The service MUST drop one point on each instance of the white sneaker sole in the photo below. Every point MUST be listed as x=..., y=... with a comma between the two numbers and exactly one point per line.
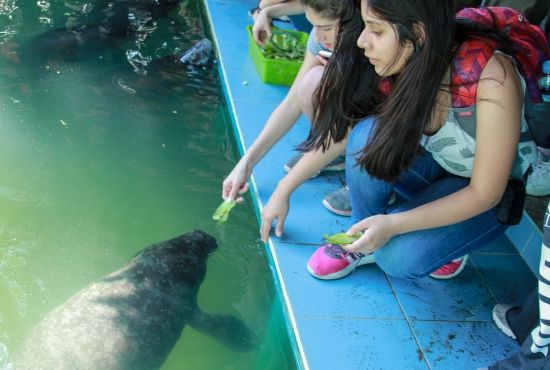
x=450, y=276
x=336, y=211
x=499, y=317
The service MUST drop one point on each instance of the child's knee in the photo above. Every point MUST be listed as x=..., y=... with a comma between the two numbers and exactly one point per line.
x=399, y=265
x=307, y=86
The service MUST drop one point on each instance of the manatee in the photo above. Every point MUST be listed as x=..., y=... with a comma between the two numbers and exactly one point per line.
x=112, y=21
x=175, y=72
x=132, y=318
x=199, y=55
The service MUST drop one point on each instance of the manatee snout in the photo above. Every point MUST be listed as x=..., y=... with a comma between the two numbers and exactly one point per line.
x=201, y=237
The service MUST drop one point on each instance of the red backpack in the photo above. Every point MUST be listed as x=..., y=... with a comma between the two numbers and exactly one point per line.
x=529, y=48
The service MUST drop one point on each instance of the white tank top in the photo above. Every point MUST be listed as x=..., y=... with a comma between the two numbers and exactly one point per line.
x=454, y=149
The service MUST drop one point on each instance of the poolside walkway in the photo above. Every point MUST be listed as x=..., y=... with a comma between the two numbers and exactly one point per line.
x=367, y=320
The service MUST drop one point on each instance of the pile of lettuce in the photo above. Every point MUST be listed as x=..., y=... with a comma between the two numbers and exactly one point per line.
x=285, y=46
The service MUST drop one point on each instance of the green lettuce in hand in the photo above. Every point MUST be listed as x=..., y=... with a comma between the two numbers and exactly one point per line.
x=342, y=238
x=223, y=210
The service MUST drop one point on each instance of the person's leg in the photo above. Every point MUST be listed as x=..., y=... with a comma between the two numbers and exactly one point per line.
x=307, y=86
x=305, y=90
x=522, y=320
x=416, y=254
x=524, y=359
x=534, y=353
x=369, y=195
x=541, y=336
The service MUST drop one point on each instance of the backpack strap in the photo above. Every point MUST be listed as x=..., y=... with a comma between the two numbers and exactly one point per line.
x=466, y=67
x=471, y=57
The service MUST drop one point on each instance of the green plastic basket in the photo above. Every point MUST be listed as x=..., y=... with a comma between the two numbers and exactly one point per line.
x=275, y=71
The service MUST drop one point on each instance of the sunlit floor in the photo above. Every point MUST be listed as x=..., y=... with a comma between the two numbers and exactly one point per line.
x=367, y=320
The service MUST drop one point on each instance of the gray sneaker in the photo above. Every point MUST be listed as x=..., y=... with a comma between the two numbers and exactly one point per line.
x=338, y=202
x=538, y=181
x=338, y=164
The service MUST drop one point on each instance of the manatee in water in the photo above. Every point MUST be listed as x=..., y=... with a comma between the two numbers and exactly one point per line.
x=132, y=318
x=171, y=72
x=69, y=44
x=199, y=55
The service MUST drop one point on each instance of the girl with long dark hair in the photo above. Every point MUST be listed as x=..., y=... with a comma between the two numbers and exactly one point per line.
x=410, y=143
x=327, y=17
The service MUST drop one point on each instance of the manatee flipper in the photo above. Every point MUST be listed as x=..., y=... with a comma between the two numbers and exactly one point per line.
x=226, y=329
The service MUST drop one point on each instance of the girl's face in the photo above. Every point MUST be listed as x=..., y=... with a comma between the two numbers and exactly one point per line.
x=325, y=29
x=381, y=44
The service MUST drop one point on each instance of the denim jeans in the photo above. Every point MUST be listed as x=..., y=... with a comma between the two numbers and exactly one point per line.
x=418, y=253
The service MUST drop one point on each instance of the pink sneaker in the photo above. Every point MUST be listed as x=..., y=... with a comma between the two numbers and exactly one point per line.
x=450, y=269
x=333, y=262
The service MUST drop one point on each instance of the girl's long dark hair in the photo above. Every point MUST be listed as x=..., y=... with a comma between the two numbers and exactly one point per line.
x=349, y=89
x=409, y=109
x=341, y=97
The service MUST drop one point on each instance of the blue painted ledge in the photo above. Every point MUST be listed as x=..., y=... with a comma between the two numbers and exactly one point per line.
x=367, y=320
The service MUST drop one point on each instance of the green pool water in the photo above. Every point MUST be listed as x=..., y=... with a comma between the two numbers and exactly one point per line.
x=99, y=160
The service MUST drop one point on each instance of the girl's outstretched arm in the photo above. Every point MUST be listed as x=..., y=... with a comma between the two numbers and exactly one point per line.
x=277, y=206
x=281, y=120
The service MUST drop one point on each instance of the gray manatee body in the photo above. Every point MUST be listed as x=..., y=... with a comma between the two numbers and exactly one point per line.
x=187, y=71
x=132, y=318
x=200, y=55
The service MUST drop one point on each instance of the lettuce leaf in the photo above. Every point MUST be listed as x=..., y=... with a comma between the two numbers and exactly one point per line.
x=222, y=212
x=342, y=238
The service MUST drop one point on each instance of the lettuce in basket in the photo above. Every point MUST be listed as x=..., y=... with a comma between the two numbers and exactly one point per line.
x=284, y=45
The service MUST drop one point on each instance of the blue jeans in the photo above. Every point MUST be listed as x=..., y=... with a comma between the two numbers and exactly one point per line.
x=415, y=254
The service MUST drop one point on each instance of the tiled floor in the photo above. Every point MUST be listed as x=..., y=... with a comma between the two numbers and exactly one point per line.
x=367, y=320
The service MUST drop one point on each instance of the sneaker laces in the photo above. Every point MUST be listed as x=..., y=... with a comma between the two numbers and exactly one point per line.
x=336, y=251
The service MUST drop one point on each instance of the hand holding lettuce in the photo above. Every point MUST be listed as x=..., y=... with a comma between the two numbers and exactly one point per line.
x=342, y=238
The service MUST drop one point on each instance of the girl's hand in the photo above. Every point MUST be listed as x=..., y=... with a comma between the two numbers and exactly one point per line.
x=275, y=209
x=236, y=182
x=262, y=28
x=377, y=230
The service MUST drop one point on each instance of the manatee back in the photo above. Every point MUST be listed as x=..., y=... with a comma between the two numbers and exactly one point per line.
x=102, y=327
x=130, y=319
